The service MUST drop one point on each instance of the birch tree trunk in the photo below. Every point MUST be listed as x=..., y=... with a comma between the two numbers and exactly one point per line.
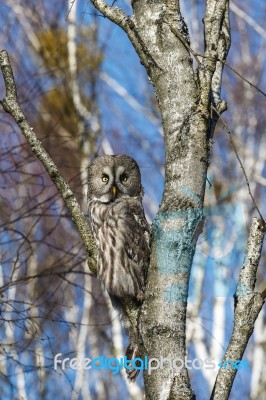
x=160, y=36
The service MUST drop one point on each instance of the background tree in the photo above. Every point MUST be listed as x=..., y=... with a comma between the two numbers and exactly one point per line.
x=47, y=315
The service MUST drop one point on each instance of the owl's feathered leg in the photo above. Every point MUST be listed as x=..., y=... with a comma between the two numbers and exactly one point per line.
x=132, y=352
x=131, y=312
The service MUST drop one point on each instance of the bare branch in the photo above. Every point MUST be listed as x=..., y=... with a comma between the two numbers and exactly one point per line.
x=128, y=25
x=248, y=304
x=10, y=105
x=217, y=43
x=234, y=71
x=222, y=51
x=213, y=24
x=220, y=60
x=114, y=14
x=247, y=277
x=240, y=163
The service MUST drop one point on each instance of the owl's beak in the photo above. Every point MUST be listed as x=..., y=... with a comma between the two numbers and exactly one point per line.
x=114, y=191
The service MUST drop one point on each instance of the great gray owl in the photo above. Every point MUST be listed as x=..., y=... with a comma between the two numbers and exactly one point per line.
x=119, y=225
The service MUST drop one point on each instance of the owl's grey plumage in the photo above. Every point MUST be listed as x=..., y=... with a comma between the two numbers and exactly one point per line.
x=119, y=225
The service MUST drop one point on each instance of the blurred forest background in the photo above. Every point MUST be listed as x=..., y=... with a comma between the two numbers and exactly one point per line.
x=85, y=93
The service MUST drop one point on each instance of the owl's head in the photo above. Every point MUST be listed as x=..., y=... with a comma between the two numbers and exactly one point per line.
x=112, y=177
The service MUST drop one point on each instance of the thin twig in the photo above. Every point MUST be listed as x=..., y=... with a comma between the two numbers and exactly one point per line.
x=235, y=72
x=183, y=41
x=210, y=185
x=240, y=163
x=11, y=105
x=197, y=55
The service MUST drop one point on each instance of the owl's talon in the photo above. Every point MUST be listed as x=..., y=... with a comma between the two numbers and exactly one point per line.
x=132, y=375
x=132, y=352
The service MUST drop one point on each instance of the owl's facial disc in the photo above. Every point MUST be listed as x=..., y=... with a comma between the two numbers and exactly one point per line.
x=114, y=177
x=127, y=181
x=104, y=184
x=120, y=181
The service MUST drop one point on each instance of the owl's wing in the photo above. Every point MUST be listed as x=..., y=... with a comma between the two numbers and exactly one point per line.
x=124, y=250
x=138, y=238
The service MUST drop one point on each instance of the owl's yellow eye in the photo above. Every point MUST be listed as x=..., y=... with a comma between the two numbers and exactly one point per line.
x=123, y=178
x=105, y=178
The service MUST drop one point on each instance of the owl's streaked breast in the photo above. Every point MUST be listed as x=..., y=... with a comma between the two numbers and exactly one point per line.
x=122, y=235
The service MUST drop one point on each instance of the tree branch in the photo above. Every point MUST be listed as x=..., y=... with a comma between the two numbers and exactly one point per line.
x=223, y=47
x=115, y=14
x=217, y=44
x=248, y=304
x=10, y=105
x=128, y=25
